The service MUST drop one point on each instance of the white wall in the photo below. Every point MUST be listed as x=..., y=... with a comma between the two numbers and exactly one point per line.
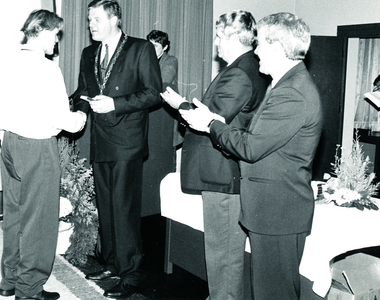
x=323, y=18
x=11, y=23
x=258, y=8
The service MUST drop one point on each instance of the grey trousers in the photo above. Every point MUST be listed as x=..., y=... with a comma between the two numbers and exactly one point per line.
x=31, y=180
x=275, y=265
x=224, y=246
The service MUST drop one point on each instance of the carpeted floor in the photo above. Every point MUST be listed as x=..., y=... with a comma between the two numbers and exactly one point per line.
x=180, y=285
x=70, y=281
x=67, y=280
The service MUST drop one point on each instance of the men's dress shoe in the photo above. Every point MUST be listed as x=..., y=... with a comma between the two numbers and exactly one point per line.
x=7, y=293
x=100, y=275
x=121, y=290
x=43, y=295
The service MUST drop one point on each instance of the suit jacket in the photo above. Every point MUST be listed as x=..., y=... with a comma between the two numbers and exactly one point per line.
x=235, y=93
x=276, y=154
x=134, y=84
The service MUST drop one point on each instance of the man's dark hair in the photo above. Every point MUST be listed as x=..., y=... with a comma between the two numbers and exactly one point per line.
x=110, y=6
x=159, y=37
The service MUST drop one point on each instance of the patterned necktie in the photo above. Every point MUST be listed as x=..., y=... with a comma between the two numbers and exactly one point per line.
x=103, y=65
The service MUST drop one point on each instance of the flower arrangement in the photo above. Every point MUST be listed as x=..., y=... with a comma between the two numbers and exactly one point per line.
x=77, y=185
x=351, y=185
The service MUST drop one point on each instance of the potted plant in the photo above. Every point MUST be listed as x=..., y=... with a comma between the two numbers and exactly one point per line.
x=77, y=185
x=351, y=185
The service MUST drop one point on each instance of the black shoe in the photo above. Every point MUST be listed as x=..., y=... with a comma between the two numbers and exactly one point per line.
x=7, y=293
x=121, y=290
x=100, y=275
x=44, y=295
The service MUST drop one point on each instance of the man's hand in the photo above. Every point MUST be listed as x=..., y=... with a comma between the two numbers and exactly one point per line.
x=172, y=98
x=84, y=119
x=102, y=104
x=200, y=118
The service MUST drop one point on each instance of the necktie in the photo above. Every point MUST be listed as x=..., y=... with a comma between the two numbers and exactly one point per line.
x=103, y=65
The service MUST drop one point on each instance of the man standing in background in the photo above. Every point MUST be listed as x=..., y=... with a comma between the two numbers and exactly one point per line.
x=235, y=94
x=122, y=76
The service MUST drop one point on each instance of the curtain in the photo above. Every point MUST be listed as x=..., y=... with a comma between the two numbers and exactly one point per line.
x=367, y=116
x=189, y=24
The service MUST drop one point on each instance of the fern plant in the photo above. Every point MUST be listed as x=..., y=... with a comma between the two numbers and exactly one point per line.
x=352, y=184
x=77, y=185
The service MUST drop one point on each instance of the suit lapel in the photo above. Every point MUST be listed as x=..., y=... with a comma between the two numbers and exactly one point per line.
x=284, y=78
x=211, y=87
x=117, y=61
x=260, y=109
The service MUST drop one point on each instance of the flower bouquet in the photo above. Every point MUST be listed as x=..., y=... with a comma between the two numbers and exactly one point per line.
x=351, y=184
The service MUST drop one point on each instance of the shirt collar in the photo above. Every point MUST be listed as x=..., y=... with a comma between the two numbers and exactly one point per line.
x=281, y=74
x=28, y=48
x=112, y=44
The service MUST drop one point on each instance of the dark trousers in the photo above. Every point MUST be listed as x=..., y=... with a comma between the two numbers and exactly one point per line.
x=118, y=194
x=224, y=246
x=275, y=265
x=31, y=180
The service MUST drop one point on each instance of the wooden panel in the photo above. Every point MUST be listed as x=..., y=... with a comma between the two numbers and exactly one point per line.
x=326, y=62
x=359, y=30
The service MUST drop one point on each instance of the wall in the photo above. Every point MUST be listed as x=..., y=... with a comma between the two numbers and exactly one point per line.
x=48, y=4
x=323, y=17
x=258, y=8
x=11, y=22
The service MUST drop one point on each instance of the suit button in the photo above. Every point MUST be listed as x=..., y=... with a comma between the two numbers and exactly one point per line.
x=116, y=88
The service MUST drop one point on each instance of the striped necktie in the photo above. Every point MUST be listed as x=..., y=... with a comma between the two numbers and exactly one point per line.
x=103, y=65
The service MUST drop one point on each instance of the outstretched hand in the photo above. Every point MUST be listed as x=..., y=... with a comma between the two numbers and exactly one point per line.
x=172, y=98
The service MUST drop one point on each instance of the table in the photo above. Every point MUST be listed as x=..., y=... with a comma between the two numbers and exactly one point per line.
x=335, y=230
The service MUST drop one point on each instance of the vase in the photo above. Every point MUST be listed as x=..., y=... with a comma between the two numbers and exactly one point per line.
x=64, y=232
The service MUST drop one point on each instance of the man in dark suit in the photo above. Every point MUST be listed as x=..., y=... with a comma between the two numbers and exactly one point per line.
x=276, y=153
x=164, y=133
x=119, y=107
x=235, y=94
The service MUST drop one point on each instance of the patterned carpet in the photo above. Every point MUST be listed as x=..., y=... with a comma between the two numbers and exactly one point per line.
x=68, y=281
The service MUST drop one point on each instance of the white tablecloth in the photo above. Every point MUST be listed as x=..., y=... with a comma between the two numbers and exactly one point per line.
x=335, y=230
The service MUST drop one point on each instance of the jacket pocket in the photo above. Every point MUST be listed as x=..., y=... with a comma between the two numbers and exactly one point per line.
x=214, y=167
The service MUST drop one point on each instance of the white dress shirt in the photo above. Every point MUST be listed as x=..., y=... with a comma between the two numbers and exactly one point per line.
x=112, y=45
x=34, y=102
